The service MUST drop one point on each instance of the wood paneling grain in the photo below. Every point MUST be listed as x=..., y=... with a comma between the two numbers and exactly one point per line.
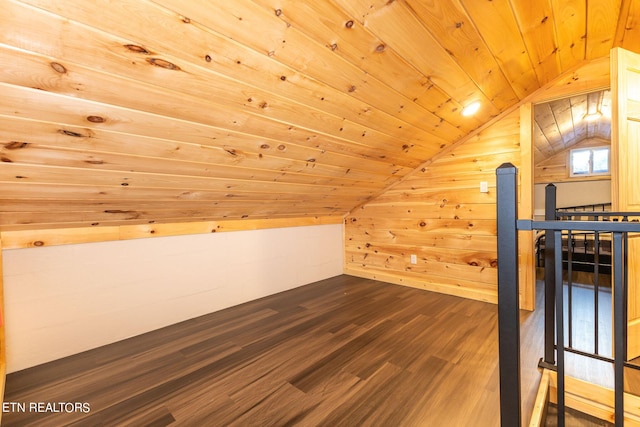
x=398, y=27
x=536, y=21
x=225, y=99
x=381, y=61
x=571, y=40
x=337, y=97
x=379, y=243
x=499, y=28
x=449, y=21
x=601, y=27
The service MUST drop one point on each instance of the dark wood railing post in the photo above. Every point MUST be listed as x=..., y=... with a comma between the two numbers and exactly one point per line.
x=508, y=296
x=549, y=360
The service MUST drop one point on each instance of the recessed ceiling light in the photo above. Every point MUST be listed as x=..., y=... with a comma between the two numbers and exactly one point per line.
x=471, y=109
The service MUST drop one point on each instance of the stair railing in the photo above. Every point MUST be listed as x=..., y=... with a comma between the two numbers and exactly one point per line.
x=508, y=291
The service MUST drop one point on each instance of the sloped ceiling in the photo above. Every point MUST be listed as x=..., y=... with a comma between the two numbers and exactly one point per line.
x=134, y=111
x=562, y=123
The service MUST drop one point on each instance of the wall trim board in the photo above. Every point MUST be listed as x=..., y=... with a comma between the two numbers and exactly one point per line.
x=17, y=239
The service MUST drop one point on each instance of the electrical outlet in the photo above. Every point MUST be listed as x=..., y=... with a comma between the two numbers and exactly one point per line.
x=414, y=259
x=484, y=187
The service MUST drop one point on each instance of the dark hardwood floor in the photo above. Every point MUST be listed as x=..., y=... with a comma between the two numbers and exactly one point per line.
x=341, y=352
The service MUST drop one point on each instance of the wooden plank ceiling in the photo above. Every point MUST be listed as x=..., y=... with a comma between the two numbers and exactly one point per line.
x=134, y=111
x=562, y=123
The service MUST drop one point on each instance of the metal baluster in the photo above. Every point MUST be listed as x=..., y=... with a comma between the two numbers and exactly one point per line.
x=596, y=288
x=560, y=330
x=570, y=250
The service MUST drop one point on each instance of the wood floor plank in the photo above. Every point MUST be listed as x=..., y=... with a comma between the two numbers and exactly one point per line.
x=341, y=352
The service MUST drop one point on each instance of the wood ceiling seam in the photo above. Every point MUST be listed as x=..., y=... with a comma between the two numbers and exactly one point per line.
x=173, y=146
x=394, y=24
x=569, y=33
x=63, y=193
x=80, y=158
x=73, y=219
x=350, y=44
x=115, y=122
x=466, y=48
x=602, y=20
x=106, y=218
x=194, y=23
x=61, y=174
x=624, y=25
x=505, y=41
x=352, y=88
x=23, y=205
x=97, y=159
x=77, y=79
x=345, y=140
x=533, y=18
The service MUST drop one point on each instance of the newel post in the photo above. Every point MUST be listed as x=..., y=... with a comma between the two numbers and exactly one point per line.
x=549, y=360
x=508, y=295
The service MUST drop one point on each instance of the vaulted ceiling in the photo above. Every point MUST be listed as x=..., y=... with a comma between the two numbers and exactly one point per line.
x=135, y=111
x=562, y=123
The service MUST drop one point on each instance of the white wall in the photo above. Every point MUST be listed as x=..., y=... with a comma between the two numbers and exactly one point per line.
x=62, y=300
x=575, y=193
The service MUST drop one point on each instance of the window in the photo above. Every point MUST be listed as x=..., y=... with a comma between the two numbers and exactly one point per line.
x=589, y=161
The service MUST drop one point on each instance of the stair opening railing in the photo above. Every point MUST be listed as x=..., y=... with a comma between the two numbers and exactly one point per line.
x=555, y=332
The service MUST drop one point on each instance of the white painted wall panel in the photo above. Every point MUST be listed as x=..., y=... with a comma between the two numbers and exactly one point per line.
x=573, y=194
x=62, y=300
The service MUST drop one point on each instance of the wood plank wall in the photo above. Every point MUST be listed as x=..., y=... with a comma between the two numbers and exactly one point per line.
x=440, y=215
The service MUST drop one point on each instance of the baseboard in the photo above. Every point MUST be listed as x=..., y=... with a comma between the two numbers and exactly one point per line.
x=478, y=294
